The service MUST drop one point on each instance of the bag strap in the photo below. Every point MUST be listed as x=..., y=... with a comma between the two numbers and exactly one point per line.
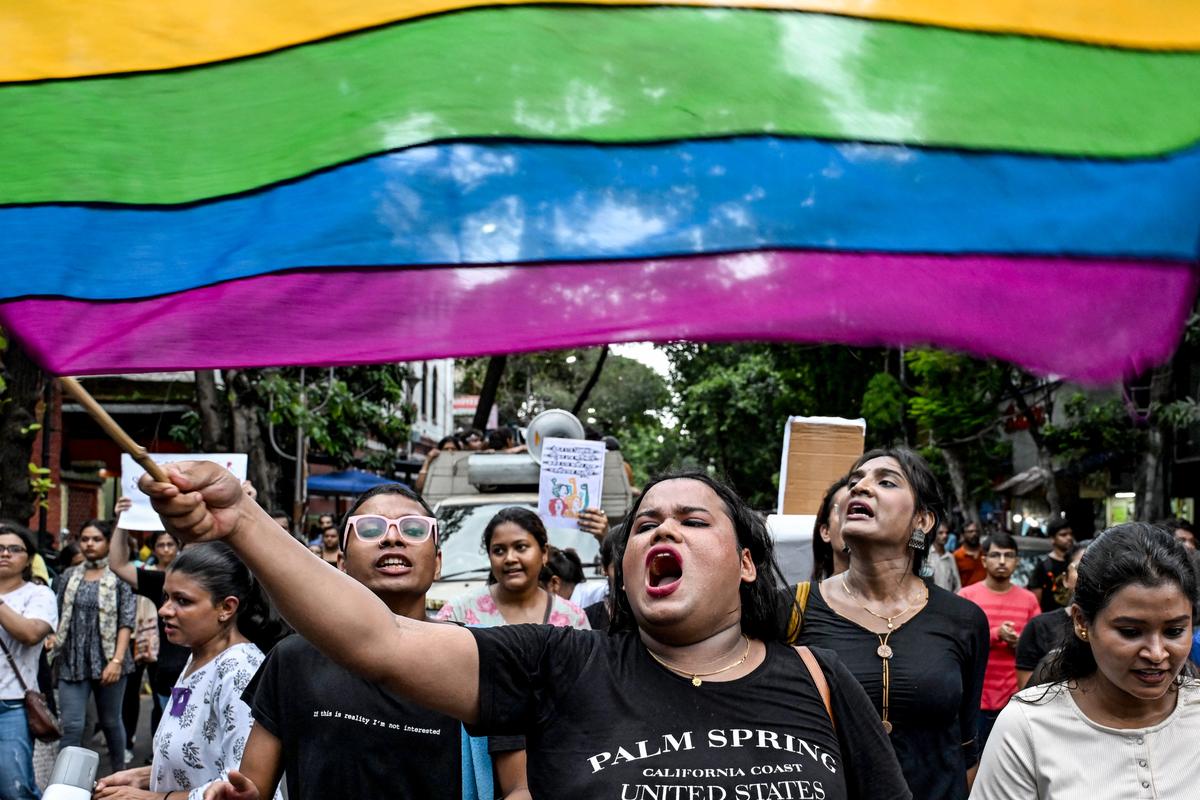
x=818, y=678
x=13, y=664
x=796, y=621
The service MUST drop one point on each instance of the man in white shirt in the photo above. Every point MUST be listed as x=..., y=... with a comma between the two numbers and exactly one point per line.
x=941, y=560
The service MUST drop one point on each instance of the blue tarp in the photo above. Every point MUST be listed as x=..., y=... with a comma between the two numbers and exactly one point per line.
x=350, y=481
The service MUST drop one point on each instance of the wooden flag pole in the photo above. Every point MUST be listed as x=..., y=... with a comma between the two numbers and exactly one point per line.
x=110, y=426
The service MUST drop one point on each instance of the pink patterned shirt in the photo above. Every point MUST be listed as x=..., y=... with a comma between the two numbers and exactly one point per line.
x=478, y=609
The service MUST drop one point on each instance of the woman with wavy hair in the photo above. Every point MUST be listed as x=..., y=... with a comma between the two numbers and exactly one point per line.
x=1118, y=717
x=919, y=651
x=214, y=607
x=691, y=693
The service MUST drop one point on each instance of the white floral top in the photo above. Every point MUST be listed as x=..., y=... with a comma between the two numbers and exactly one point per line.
x=205, y=725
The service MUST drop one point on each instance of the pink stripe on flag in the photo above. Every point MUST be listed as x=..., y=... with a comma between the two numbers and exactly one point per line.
x=1091, y=320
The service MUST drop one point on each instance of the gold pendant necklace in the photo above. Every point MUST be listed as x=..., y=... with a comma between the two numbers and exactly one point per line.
x=888, y=620
x=696, y=676
x=884, y=651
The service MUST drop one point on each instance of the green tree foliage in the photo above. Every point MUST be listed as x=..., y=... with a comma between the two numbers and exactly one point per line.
x=732, y=400
x=627, y=402
x=533, y=382
x=343, y=411
x=884, y=404
x=23, y=484
x=1093, y=434
x=955, y=397
x=955, y=404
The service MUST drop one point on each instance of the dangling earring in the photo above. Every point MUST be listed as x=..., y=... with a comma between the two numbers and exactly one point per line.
x=917, y=540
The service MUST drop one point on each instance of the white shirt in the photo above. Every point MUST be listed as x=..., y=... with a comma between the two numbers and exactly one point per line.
x=1049, y=750
x=945, y=570
x=32, y=601
x=589, y=592
x=204, y=738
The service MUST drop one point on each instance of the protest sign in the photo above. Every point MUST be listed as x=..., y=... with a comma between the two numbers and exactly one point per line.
x=141, y=516
x=816, y=452
x=571, y=480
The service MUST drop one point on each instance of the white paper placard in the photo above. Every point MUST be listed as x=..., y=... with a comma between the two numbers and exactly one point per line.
x=141, y=516
x=571, y=479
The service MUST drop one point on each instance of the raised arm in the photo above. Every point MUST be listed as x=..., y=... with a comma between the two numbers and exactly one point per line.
x=118, y=548
x=436, y=665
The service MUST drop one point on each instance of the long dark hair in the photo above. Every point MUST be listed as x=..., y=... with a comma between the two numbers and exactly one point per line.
x=22, y=533
x=222, y=574
x=763, y=615
x=563, y=564
x=927, y=492
x=104, y=526
x=823, y=550
x=1133, y=553
x=524, y=519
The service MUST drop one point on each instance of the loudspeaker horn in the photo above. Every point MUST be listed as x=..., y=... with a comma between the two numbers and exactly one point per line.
x=552, y=423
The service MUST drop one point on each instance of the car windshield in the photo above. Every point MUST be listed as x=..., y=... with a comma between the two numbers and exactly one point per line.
x=461, y=536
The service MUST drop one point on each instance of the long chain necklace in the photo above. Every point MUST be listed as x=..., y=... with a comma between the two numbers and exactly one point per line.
x=696, y=676
x=884, y=651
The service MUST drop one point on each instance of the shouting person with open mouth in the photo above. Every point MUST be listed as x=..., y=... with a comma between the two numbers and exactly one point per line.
x=692, y=692
x=919, y=651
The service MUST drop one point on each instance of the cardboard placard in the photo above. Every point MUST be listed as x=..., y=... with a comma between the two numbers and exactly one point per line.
x=141, y=516
x=816, y=452
x=571, y=479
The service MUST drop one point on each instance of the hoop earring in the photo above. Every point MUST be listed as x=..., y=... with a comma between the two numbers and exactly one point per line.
x=917, y=540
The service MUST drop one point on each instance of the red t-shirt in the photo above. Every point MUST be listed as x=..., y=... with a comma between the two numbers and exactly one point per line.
x=1017, y=606
x=970, y=568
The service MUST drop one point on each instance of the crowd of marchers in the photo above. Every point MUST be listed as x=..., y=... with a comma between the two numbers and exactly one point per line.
x=907, y=667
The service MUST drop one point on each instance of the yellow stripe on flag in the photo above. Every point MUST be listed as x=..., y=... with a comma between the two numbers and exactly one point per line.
x=52, y=39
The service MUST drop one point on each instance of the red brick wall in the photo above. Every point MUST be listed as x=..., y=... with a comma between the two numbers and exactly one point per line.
x=83, y=503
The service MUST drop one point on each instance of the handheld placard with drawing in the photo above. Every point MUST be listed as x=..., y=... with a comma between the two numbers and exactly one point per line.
x=571, y=479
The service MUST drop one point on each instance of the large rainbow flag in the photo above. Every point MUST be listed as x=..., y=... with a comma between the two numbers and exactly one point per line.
x=254, y=182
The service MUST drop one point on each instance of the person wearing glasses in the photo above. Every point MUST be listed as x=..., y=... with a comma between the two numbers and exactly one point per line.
x=336, y=734
x=691, y=693
x=1009, y=609
x=28, y=613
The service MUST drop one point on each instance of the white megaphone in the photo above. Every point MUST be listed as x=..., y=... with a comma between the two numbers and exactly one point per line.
x=74, y=775
x=554, y=423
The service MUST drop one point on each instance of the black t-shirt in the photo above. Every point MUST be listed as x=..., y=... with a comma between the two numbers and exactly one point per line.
x=343, y=736
x=172, y=658
x=1042, y=634
x=604, y=721
x=1049, y=576
x=939, y=657
x=598, y=615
